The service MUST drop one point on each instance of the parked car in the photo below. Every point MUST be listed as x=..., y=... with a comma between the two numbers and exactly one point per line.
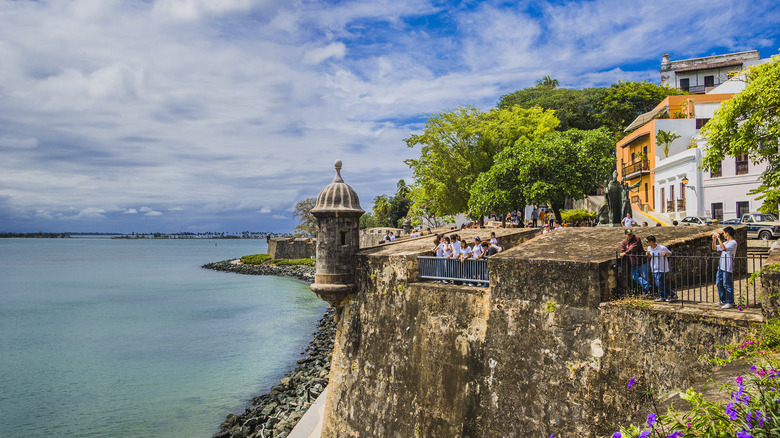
x=761, y=225
x=696, y=220
x=731, y=222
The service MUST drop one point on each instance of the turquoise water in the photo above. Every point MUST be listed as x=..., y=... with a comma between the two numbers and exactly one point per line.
x=131, y=338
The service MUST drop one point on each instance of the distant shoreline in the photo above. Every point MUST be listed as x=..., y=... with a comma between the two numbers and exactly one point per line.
x=280, y=409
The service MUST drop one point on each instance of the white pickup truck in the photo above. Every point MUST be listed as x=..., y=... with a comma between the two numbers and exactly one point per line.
x=761, y=225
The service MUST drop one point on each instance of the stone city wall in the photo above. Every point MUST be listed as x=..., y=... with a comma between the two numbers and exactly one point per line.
x=292, y=248
x=539, y=352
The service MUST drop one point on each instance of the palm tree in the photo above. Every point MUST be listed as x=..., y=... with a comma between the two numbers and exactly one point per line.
x=665, y=138
x=548, y=82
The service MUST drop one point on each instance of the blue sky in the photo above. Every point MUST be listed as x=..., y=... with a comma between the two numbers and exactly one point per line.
x=219, y=115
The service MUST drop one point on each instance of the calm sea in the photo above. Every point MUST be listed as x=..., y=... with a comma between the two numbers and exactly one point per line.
x=132, y=338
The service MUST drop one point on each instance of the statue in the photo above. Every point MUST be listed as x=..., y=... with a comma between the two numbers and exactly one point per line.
x=616, y=202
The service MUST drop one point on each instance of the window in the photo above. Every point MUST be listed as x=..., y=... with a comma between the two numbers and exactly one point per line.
x=743, y=207
x=701, y=122
x=717, y=211
x=709, y=81
x=633, y=157
x=685, y=84
x=682, y=191
x=716, y=172
x=742, y=165
x=343, y=238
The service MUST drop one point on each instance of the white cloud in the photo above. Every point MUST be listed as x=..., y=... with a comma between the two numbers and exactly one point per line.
x=218, y=106
x=153, y=213
x=319, y=54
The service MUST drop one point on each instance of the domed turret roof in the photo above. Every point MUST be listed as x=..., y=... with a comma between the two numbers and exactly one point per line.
x=337, y=197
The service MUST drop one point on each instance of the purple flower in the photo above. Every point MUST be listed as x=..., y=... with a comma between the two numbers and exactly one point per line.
x=739, y=380
x=675, y=434
x=646, y=434
x=753, y=368
x=731, y=412
x=631, y=382
x=617, y=435
x=743, y=434
x=651, y=419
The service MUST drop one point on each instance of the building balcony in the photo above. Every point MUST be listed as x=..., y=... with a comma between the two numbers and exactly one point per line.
x=681, y=205
x=636, y=169
x=670, y=207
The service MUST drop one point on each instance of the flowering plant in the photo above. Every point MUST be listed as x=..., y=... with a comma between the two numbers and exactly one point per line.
x=752, y=411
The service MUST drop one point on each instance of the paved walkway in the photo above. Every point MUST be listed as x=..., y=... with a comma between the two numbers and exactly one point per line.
x=310, y=425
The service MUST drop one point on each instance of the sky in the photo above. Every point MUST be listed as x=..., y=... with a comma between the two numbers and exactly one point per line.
x=219, y=115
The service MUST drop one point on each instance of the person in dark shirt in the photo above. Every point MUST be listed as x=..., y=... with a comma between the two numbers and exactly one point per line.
x=632, y=247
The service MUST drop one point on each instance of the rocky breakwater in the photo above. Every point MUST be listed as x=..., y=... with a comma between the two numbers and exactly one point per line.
x=304, y=273
x=273, y=415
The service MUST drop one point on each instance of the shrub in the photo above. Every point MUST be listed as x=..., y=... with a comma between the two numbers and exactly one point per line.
x=296, y=262
x=753, y=411
x=579, y=214
x=255, y=259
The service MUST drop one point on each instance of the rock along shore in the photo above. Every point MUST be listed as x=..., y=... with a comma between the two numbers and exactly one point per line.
x=273, y=415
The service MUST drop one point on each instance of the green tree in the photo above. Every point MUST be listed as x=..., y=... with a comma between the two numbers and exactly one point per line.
x=749, y=123
x=666, y=138
x=368, y=220
x=381, y=209
x=574, y=108
x=625, y=101
x=561, y=165
x=457, y=146
x=548, y=82
x=307, y=223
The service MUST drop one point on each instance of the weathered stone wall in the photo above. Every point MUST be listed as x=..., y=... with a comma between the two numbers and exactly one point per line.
x=291, y=248
x=374, y=236
x=538, y=352
x=770, y=284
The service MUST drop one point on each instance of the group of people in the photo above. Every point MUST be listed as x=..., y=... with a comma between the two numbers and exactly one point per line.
x=452, y=247
x=658, y=255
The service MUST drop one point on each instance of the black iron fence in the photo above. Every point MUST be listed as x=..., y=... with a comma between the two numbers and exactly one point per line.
x=452, y=270
x=689, y=278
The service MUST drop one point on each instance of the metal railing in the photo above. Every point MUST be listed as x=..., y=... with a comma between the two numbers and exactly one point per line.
x=441, y=269
x=691, y=278
x=681, y=204
x=637, y=166
x=670, y=206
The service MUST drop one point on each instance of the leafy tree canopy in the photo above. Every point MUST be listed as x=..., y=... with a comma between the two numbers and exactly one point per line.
x=307, y=223
x=457, y=146
x=623, y=102
x=574, y=108
x=590, y=108
x=549, y=170
x=749, y=123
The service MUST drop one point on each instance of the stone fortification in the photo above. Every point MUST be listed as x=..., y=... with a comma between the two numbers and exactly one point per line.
x=292, y=248
x=374, y=236
x=541, y=351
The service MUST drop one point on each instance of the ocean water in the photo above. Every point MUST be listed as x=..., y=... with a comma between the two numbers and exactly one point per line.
x=132, y=338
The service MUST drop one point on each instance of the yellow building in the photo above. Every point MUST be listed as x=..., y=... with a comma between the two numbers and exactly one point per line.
x=637, y=153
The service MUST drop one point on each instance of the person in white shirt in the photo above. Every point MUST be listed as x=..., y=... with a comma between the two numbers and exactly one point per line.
x=465, y=252
x=628, y=221
x=493, y=240
x=438, y=250
x=725, y=244
x=546, y=229
x=392, y=237
x=476, y=252
x=455, y=245
x=558, y=225
x=659, y=265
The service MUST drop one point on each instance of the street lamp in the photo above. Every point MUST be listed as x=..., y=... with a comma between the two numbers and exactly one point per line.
x=685, y=183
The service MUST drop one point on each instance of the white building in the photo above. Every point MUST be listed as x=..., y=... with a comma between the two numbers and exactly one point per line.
x=720, y=194
x=700, y=75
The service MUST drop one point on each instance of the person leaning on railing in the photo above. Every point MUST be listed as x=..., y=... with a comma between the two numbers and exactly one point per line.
x=632, y=246
x=659, y=265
